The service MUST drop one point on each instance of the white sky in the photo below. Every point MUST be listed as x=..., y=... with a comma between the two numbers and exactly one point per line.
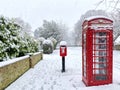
x=35, y=11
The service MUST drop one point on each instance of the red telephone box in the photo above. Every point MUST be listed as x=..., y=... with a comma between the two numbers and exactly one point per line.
x=97, y=43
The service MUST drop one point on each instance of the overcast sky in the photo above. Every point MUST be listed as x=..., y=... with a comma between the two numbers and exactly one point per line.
x=35, y=11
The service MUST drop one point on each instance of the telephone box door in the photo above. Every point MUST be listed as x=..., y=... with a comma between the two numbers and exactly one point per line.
x=101, y=56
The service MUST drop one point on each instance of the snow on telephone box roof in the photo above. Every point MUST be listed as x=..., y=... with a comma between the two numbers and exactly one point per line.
x=63, y=43
x=95, y=17
x=98, y=23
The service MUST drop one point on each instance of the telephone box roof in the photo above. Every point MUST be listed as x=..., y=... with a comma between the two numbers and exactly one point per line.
x=96, y=17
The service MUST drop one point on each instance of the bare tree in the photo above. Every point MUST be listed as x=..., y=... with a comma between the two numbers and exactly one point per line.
x=52, y=29
x=78, y=25
x=25, y=27
x=115, y=14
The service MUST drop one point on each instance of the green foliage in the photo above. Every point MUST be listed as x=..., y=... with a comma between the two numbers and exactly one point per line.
x=12, y=44
x=8, y=38
x=28, y=45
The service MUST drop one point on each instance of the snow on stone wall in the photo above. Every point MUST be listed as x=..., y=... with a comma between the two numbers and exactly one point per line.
x=117, y=41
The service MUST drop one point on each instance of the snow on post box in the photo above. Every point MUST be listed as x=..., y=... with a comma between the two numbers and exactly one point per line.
x=63, y=48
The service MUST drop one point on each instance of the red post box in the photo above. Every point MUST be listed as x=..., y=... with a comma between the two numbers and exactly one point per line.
x=63, y=51
x=63, y=48
x=97, y=50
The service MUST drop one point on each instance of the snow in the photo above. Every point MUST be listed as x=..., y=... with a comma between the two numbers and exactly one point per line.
x=63, y=43
x=10, y=61
x=41, y=39
x=47, y=75
x=47, y=42
x=117, y=41
x=99, y=26
x=94, y=17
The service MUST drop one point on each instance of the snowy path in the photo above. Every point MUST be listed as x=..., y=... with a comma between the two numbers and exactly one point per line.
x=46, y=75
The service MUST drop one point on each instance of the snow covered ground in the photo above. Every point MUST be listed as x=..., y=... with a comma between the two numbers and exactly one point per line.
x=46, y=75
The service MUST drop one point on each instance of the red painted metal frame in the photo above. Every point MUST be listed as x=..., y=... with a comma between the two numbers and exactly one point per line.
x=89, y=71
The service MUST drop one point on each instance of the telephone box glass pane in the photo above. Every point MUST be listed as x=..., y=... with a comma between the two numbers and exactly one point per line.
x=101, y=47
x=100, y=77
x=100, y=59
x=101, y=34
x=100, y=53
x=84, y=53
x=100, y=72
x=99, y=65
x=100, y=40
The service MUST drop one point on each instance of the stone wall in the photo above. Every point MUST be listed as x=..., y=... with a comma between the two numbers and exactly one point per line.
x=10, y=72
x=117, y=47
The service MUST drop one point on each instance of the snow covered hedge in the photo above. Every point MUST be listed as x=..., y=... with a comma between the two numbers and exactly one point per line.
x=47, y=46
x=27, y=45
x=40, y=42
x=54, y=41
x=11, y=43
